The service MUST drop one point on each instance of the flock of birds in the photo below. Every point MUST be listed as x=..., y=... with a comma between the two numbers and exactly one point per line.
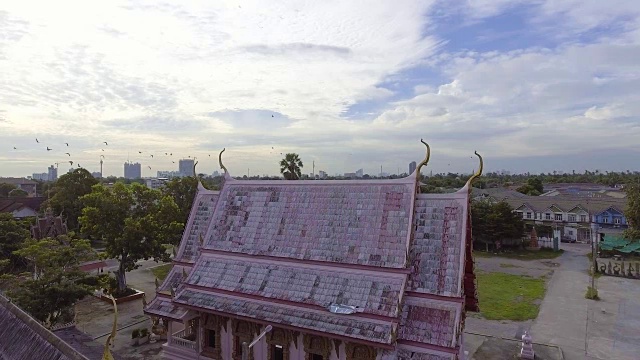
x=102, y=156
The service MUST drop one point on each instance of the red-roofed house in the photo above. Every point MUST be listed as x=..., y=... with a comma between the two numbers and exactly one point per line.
x=284, y=253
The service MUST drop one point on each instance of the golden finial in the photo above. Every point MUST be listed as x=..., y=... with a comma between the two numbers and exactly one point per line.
x=107, y=352
x=157, y=283
x=426, y=158
x=477, y=173
x=195, y=174
x=220, y=161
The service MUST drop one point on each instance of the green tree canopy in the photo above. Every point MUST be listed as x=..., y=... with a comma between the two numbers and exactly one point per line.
x=632, y=212
x=5, y=189
x=67, y=192
x=58, y=284
x=13, y=234
x=291, y=166
x=134, y=221
x=493, y=222
x=17, y=193
x=183, y=192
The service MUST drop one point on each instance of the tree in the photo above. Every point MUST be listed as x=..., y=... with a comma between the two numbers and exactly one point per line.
x=290, y=166
x=67, y=193
x=492, y=222
x=134, y=221
x=17, y=193
x=533, y=187
x=632, y=212
x=12, y=235
x=5, y=189
x=183, y=191
x=58, y=283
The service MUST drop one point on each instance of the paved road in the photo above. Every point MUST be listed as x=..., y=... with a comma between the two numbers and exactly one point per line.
x=587, y=329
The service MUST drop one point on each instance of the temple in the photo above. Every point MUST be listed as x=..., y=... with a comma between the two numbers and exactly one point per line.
x=356, y=270
x=48, y=226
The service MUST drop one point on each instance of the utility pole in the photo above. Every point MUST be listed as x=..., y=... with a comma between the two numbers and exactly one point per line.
x=313, y=172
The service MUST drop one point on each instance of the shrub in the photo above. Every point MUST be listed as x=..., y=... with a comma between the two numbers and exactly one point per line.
x=144, y=332
x=135, y=333
x=592, y=293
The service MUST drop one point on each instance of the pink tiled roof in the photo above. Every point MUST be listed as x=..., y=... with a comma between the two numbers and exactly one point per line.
x=437, y=250
x=320, y=286
x=163, y=307
x=265, y=311
x=429, y=321
x=174, y=278
x=353, y=223
x=196, y=226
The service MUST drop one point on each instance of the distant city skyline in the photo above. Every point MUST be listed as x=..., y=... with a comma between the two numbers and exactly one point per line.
x=532, y=86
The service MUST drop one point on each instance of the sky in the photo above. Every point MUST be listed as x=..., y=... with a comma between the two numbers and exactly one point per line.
x=533, y=86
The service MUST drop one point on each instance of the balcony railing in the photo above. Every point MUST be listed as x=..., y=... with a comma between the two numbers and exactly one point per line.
x=179, y=339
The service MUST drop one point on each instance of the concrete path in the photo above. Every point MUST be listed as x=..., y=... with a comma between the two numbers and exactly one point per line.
x=580, y=326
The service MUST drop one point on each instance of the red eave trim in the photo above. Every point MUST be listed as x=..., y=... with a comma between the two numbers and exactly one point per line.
x=308, y=262
x=289, y=327
x=182, y=263
x=445, y=349
x=287, y=302
x=459, y=300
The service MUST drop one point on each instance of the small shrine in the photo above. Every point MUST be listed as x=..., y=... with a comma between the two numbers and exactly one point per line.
x=48, y=226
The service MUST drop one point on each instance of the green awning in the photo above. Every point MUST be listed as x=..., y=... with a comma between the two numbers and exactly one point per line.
x=632, y=247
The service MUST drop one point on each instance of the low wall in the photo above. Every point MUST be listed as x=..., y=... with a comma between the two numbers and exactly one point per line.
x=612, y=267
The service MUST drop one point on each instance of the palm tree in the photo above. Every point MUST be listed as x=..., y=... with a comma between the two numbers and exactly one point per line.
x=290, y=166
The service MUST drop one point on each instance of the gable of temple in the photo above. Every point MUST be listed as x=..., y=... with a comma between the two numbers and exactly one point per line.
x=282, y=252
x=48, y=226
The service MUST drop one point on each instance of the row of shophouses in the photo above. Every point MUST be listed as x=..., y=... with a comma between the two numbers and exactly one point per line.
x=572, y=218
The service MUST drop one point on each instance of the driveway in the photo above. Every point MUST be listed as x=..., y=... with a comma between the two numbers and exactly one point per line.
x=587, y=329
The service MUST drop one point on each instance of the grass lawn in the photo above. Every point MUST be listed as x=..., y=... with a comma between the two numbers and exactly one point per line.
x=509, y=297
x=522, y=254
x=161, y=271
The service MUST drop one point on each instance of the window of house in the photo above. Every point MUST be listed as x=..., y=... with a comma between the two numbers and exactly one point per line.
x=548, y=216
x=617, y=220
x=528, y=215
x=558, y=217
x=583, y=218
x=605, y=219
x=572, y=218
x=570, y=232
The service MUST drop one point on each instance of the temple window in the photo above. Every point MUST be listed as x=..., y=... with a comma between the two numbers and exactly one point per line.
x=210, y=336
x=242, y=332
x=278, y=341
x=316, y=347
x=360, y=352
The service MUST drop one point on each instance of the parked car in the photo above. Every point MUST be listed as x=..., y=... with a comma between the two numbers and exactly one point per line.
x=567, y=239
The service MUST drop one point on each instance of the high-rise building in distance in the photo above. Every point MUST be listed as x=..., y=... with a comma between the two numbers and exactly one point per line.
x=132, y=170
x=52, y=174
x=185, y=166
x=412, y=167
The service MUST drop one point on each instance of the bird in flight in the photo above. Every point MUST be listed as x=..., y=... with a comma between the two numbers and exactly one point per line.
x=102, y=156
x=49, y=149
x=71, y=162
x=102, y=149
x=37, y=140
x=66, y=144
x=79, y=165
x=173, y=162
x=166, y=153
x=15, y=148
x=139, y=152
x=151, y=155
x=105, y=143
x=68, y=154
x=171, y=154
x=271, y=115
x=149, y=167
